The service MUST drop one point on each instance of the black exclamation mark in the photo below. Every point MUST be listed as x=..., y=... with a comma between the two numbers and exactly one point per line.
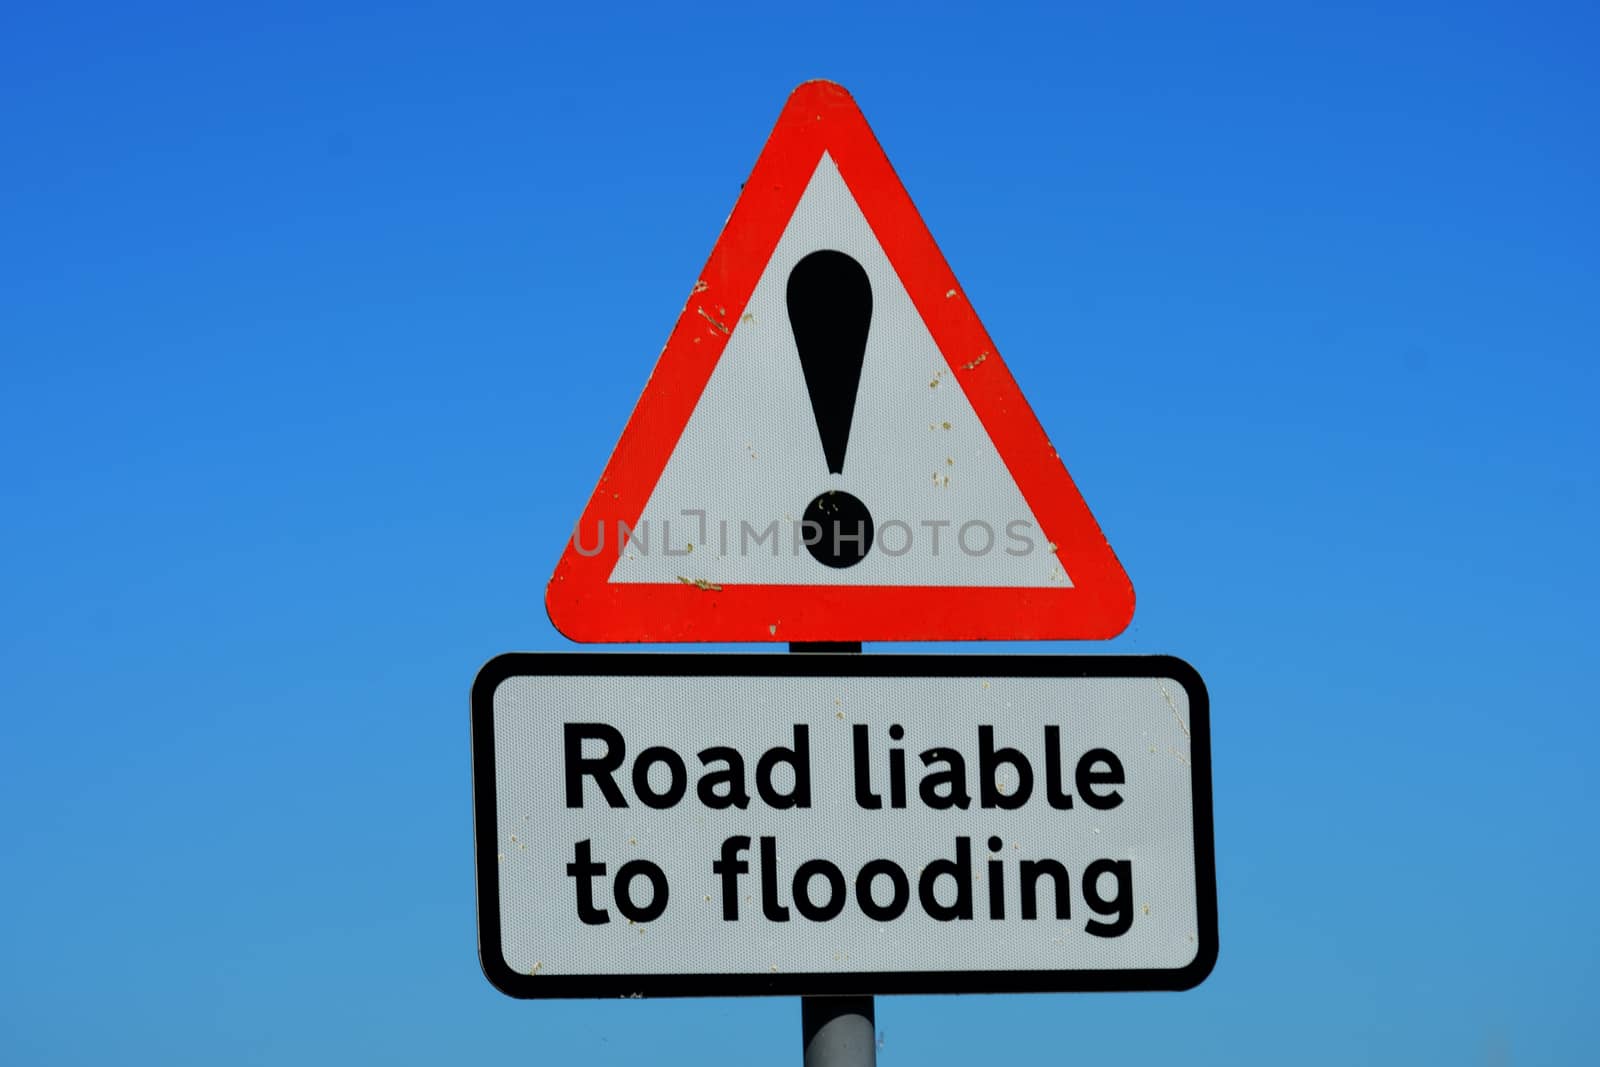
x=830, y=312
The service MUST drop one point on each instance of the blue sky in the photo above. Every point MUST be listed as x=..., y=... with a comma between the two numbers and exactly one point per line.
x=317, y=325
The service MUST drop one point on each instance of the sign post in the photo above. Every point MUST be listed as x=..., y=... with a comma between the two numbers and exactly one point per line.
x=831, y=450
x=837, y=1031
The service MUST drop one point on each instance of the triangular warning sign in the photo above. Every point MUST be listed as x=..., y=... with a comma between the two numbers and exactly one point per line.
x=830, y=448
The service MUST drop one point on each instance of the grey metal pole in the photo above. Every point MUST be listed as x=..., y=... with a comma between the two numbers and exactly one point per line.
x=837, y=1031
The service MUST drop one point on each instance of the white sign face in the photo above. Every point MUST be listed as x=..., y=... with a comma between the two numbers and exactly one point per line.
x=718, y=825
x=751, y=440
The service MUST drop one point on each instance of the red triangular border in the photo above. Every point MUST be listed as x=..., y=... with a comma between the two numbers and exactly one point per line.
x=585, y=606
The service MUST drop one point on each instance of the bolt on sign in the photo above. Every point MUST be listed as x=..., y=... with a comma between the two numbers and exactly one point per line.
x=674, y=825
x=830, y=447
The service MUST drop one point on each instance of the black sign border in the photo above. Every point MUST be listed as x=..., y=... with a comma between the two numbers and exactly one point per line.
x=729, y=984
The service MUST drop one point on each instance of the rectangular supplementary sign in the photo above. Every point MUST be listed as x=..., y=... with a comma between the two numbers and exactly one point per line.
x=670, y=825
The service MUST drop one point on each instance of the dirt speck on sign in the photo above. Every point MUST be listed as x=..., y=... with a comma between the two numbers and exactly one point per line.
x=715, y=323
